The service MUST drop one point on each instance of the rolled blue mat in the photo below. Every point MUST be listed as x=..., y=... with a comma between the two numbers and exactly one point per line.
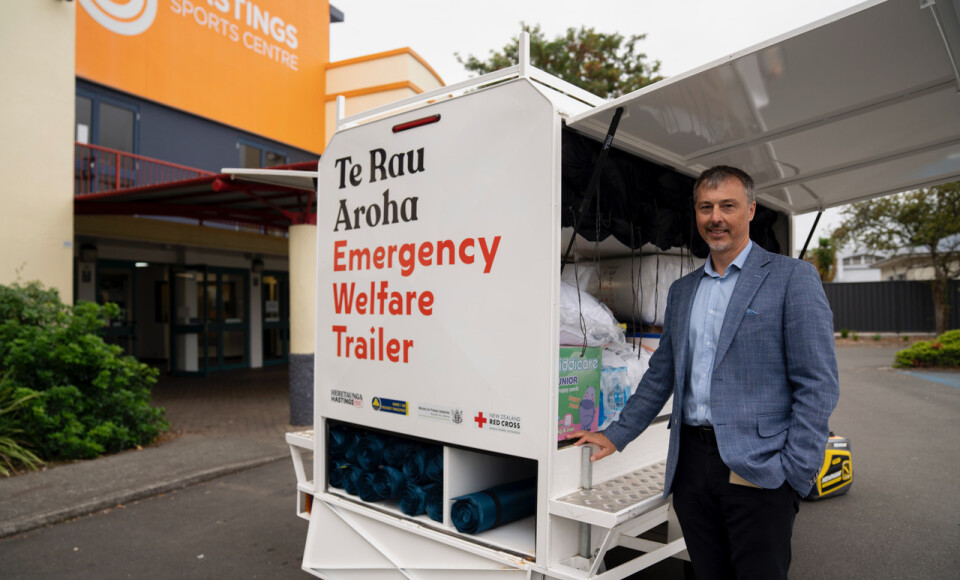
x=387, y=481
x=483, y=510
x=370, y=451
x=412, y=498
x=339, y=440
x=350, y=450
x=366, y=488
x=434, y=502
x=351, y=475
x=335, y=470
x=415, y=466
x=434, y=466
x=395, y=451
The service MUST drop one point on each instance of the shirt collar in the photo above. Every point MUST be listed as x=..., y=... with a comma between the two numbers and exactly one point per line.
x=738, y=262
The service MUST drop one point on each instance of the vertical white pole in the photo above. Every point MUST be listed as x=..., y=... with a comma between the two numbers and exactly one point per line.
x=341, y=109
x=524, y=52
x=586, y=482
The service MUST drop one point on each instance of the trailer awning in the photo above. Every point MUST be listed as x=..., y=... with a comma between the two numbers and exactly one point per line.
x=861, y=104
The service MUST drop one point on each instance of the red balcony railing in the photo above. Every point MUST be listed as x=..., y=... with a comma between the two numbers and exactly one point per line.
x=99, y=170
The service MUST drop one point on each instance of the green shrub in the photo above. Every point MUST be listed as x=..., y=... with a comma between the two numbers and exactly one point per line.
x=949, y=337
x=13, y=448
x=87, y=397
x=877, y=337
x=844, y=333
x=944, y=351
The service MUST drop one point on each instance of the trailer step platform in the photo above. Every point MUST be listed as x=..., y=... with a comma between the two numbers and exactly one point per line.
x=624, y=507
x=616, y=500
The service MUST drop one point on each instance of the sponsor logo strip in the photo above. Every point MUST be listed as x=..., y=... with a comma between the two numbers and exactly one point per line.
x=390, y=406
x=440, y=413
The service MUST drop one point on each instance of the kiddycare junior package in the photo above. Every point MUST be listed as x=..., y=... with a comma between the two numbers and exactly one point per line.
x=579, y=390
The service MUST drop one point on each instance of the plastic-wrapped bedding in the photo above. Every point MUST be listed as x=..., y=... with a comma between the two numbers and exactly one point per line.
x=598, y=324
x=483, y=510
x=634, y=289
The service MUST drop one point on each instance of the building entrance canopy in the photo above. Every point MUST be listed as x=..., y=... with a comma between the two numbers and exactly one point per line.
x=274, y=198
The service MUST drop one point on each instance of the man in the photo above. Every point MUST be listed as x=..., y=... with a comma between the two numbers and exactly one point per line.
x=747, y=353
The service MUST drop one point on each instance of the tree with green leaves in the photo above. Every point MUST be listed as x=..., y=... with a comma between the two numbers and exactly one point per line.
x=824, y=257
x=925, y=223
x=607, y=65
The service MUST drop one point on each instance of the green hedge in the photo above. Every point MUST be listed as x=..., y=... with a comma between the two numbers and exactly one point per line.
x=944, y=351
x=88, y=398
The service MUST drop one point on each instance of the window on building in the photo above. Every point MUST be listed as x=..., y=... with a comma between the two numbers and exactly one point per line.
x=116, y=127
x=860, y=260
x=84, y=122
x=272, y=159
x=249, y=155
x=255, y=157
x=111, y=124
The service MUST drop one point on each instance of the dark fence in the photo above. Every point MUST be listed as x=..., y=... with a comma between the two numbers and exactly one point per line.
x=894, y=306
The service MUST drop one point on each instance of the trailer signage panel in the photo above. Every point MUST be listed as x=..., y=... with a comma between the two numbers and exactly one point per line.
x=425, y=282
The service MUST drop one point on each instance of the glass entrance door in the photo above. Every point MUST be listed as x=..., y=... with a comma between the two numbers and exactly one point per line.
x=276, y=317
x=228, y=326
x=211, y=325
x=115, y=283
x=189, y=349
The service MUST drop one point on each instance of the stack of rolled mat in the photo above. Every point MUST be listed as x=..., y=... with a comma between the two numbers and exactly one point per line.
x=483, y=510
x=379, y=467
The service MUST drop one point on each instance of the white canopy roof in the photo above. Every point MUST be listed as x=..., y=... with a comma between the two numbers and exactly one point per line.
x=858, y=105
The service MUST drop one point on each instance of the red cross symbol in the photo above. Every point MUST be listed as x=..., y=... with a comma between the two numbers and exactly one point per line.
x=480, y=419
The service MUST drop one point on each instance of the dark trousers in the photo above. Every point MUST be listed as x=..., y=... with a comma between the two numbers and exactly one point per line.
x=732, y=531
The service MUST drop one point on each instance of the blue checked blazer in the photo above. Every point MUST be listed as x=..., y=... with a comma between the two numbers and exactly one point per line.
x=774, y=381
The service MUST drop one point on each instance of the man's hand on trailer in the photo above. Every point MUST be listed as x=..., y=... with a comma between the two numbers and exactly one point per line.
x=599, y=440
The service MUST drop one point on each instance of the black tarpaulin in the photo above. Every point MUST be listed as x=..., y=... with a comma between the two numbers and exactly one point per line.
x=638, y=202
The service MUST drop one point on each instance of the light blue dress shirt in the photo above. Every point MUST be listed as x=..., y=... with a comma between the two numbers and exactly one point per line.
x=706, y=320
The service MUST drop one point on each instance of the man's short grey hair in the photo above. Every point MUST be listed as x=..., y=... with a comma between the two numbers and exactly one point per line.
x=715, y=176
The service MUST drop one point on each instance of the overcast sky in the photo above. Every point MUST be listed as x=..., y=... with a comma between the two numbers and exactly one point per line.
x=681, y=34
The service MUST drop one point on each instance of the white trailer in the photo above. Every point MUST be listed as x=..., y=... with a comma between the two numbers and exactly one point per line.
x=439, y=257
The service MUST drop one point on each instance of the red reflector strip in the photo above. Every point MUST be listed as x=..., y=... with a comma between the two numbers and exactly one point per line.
x=415, y=124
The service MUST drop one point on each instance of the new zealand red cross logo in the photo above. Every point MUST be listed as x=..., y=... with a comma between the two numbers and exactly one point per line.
x=480, y=419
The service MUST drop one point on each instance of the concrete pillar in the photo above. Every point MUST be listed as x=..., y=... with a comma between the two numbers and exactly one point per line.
x=303, y=321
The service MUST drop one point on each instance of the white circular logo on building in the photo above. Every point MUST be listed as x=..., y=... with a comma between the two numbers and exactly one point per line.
x=128, y=18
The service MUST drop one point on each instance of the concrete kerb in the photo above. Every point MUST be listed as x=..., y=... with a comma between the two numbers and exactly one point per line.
x=112, y=500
